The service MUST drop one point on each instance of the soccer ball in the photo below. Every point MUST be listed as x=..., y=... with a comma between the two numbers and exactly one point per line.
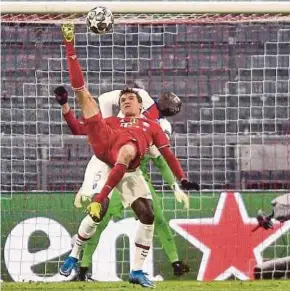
x=100, y=20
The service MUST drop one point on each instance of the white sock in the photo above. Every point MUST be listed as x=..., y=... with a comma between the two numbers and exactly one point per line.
x=86, y=230
x=143, y=242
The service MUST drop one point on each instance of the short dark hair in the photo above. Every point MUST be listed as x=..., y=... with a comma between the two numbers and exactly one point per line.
x=169, y=104
x=128, y=90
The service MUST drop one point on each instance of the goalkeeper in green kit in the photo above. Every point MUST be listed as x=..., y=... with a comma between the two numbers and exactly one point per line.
x=167, y=105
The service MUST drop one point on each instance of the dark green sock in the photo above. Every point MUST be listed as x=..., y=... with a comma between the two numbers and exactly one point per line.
x=163, y=230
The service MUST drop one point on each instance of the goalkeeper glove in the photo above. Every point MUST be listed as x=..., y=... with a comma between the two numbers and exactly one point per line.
x=78, y=200
x=187, y=185
x=180, y=196
x=61, y=95
x=94, y=209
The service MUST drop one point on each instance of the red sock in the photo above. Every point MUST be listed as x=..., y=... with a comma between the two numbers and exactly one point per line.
x=115, y=176
x=74, y=68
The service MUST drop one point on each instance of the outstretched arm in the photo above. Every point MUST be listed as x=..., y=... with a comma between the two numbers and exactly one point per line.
x=169, y=178
x=172, y=162
x=176, y=168
x=76, y=127
x=161, y=141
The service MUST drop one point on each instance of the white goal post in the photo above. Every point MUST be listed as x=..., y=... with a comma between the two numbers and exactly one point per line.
x=185, y=11
x=148, y=7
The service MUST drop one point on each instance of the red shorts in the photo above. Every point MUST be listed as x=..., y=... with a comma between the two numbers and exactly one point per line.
x=106, y=141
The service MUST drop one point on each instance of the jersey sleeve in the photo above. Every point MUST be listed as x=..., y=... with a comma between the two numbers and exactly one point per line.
x=173, y=163
x=76, y=127
x=107, y=101
x=152, y=112
x=162, y=143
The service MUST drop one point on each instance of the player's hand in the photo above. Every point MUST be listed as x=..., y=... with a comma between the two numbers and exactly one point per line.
x=180, y=196
x=187, y=185
x=94, y=209
x=264, y=220
x=61, y=95
x=78, y=200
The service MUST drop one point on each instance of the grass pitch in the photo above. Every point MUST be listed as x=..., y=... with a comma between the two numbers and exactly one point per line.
x=160, y=286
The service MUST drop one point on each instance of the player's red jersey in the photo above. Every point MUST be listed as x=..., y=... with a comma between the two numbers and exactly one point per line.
x=108, y=135
x=145, y=131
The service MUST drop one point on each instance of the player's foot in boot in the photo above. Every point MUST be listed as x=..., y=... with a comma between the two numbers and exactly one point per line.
x=68, y=32
x=84, y=275
x=69, y=264
x=180, y=268
x=139, y=277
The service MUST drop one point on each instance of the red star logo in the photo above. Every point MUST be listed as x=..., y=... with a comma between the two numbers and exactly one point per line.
x=227, y=241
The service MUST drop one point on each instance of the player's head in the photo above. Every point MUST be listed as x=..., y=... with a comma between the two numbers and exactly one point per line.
x=130, y=102
x=169, y=104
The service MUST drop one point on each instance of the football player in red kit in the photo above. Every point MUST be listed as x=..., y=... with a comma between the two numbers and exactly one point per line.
x=120, y=143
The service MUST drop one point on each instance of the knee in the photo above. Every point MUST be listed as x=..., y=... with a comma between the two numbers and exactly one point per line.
x=87, y=228
x=127, y=153
x=89, y=222
x=143, y=210
x=147, y=217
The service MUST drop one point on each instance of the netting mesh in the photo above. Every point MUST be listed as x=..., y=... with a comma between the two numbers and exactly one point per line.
x=233, y=80
x=157, y=18
x=233, y=132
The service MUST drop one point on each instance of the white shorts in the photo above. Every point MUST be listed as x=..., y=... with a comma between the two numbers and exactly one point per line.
x=95, y=172
x=131, y=187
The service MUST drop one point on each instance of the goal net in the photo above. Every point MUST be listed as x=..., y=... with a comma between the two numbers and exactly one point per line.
x=228, y=62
